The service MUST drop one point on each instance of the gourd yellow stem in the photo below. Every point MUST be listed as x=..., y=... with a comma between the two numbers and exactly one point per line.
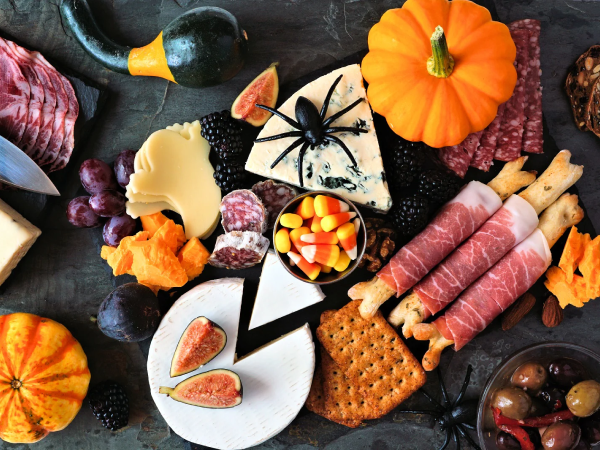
x=441, y=63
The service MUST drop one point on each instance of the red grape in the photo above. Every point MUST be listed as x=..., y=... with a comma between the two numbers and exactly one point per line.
x=97, y=176
x=108, y=203
x=81, y=215
x=117, y=228
x=124, y=167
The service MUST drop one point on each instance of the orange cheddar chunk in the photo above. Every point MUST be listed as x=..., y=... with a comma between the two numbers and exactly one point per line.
x=573, y=252
x=171, y=234
x=107, y=251
x=331, y=222
x=347, y=235
x=326, y=206
x=193, y=256
x=311, y=270
x=295, y=237
x=283, y=244
x=590, y=268
x=321, y=253
x=573, y=293
x=154, y=263
x=343, y=262
x=306, y=208
x=153, y=222
x=320, y=238
x=121, y=259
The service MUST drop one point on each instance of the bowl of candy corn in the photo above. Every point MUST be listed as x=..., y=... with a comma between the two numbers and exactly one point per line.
x=320, y=237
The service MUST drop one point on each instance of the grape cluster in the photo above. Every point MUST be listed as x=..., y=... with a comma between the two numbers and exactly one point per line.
x=105, y=200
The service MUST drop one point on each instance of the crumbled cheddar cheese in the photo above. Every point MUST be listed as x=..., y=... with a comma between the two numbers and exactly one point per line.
x=573, y=293
x=590, y=268
x=573, y=252
x=192, y=257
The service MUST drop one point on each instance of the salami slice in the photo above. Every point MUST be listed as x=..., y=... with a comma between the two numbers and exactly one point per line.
x=458, y=157
x=580, y=82
x=510, y=140
x=484, y=155
x=274, y=196
x=533, y=140
x=239, y=250
x=242, y=210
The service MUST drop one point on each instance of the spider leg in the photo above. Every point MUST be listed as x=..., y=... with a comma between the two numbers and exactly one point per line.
x=280, y=136
x=468, y=425
x=328, y=97
x=464, y=386
x=341, y=129
x=447, y=402
x=295, y=144
x=429, y=413
x=469, y=439
x=292, y=122
x=339, y=142
x=446, y=440
x=432, y=400
x=300, y=159
x=339, y=114
x=456, y=438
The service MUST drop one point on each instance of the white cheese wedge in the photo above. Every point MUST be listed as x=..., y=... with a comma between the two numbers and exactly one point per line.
x=17, y=236
x=276, y=378
x=172, y=171
x=280, y=293
x=328, y=167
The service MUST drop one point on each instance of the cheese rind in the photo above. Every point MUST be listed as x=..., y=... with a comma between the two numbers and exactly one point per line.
x=280, y=294
x=17, y=236
x=328, y=167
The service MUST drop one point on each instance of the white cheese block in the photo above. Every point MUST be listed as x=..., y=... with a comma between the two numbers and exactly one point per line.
x=276, y=378
x=280, y=293
x=328, y=167
x=17, y=236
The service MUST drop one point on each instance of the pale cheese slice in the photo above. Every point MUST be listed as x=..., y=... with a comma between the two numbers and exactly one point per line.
x=276, y=378
x=280, y=293
x=172, y=171
x=17, y=236
x=328, y=167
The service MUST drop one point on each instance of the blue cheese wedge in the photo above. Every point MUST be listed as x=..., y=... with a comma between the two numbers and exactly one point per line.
x=328, y=167
x=17, y=236
x=280, y=294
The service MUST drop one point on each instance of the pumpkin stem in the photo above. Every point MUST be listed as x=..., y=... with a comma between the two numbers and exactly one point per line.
x=15, y=384
x=441, y=63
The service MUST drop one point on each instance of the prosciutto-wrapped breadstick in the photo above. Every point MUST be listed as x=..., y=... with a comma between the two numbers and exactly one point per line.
x=500, y=286
x=456, y=221
x=510, y=225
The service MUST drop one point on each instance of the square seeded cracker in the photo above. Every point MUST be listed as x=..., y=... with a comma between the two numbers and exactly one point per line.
x=372, y=356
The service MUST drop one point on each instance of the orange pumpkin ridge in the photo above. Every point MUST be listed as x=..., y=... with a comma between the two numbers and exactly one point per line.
x=29, y=348
x=53, y=359
x=5, y=325
x=6, y=411
x=33, y=418
x=53, y=394
x=56, y=377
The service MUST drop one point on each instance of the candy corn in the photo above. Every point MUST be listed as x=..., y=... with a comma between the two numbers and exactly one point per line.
x=325, y=269
x=306, y=208
x=291, y=221
x=356, y=223
x=325, y=206
x=295, y=237
x=311, y=270
x=329, y=223
x=314, y=223
x=343, y=262
x=320, y=238
x=282, y=241
x=321, y=253
x=347, y=235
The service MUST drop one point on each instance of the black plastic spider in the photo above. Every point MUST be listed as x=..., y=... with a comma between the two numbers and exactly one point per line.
x=312, y=128
x=453, y=416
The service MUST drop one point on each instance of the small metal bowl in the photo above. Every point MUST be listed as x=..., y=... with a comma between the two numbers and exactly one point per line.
x=333, y=276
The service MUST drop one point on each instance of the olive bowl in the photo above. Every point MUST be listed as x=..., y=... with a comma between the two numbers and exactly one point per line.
x=333, y=276
x=543, y=353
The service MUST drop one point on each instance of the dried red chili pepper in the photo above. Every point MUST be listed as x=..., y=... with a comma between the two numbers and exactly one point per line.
x=520, y=435
x=535, y=422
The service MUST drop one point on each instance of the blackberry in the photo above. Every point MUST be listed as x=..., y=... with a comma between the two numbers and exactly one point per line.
x=230, y=176
x=223, y=133
x=230, y=150
x=110, y=405
x=438, y=186
x=410, y=214
x=405, y=162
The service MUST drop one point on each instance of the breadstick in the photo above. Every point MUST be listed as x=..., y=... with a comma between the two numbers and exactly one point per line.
x=512, y=179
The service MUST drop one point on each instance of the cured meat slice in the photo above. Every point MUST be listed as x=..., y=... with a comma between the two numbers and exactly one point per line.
x=484, y=155
x=458, y=157
x=510, y=138
x=47, y=117
x=242, y=210
x=69, y=141
x=14, y=98
x=496, y=290
x=239, y=250
x=533, y=139
x=274, y=196
x=580, y=81
x=457, y=220
x=510, y=225
x=36, y=97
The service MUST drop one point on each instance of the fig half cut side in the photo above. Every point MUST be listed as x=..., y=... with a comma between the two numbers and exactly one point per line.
x=217, y=389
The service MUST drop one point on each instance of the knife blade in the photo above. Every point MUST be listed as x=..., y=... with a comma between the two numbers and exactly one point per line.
x=18, y=169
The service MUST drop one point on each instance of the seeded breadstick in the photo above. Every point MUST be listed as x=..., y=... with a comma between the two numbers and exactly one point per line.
x=512, y=179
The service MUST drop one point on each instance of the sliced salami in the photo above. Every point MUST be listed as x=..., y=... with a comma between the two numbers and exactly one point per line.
x=14, y=98
x=510, y=138
x=484, y=155
x=458, y=157
x=239, y=250
x=242, y=210
x=274, y=196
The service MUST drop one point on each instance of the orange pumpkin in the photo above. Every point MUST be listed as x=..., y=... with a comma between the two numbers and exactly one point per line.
x=437, y=70
x=44, y=377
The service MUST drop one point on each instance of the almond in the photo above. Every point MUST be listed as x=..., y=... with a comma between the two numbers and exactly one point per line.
x=517, y=311
x=552, y=314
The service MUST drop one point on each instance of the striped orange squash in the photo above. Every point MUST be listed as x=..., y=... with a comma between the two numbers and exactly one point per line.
x=44, y=377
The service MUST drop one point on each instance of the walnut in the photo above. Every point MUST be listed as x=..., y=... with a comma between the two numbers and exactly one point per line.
x=381, y=243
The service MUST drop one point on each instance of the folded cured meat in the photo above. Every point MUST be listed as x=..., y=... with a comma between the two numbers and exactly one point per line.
x=68, y=142
x=14, y=98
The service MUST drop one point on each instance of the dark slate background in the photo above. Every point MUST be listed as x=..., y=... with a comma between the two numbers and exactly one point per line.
x=63, y=278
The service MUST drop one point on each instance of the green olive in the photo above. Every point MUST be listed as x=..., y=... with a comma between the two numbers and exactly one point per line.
x=584, y=398
x=513, y=402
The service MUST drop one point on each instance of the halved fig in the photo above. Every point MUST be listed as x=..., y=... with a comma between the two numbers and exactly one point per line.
x=263, y=90
x=201, y=341
x=218, y=389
